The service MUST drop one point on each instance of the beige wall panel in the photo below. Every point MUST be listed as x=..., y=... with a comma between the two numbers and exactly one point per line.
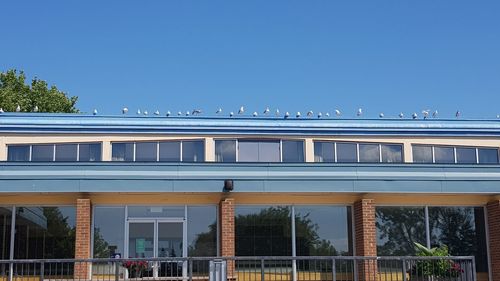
x=244, y=198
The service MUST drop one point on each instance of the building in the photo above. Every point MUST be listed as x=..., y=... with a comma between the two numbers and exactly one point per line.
x=77, y=186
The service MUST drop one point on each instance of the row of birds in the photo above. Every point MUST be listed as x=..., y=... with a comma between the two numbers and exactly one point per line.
x=277, y=113
x=425, y=113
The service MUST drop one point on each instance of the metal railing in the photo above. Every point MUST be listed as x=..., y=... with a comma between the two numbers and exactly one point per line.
x=338, y=268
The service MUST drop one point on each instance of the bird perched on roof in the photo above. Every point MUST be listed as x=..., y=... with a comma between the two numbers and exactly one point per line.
x=18, y=108
x=435, y=114
x=401, y=115
x=95, y=112
x=196, y=111
x=425, y=113
x=310, y=113
x=35, y=109
x=242, y=110
x=157, y=112
x=266, y=111
x=414, y=115
x=360, y=112
x=338, y=113
x=457, y=114
x=218, y=111
x=277, y=112
x=381, y=115
x=124, y=110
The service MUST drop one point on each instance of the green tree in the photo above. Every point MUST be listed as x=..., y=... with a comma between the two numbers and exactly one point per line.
x=399, y=228
x=14, y=91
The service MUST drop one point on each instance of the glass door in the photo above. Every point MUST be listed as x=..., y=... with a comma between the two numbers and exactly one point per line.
x=158, y=238
x=141, y=239
x=170, y=244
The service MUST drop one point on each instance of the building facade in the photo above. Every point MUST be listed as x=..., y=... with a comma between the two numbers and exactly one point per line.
x=76, y=186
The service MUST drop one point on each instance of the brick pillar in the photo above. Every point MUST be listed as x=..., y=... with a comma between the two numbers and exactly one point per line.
x=366, y=238
x=227, y=241
x=83, y=232
x=493, y=212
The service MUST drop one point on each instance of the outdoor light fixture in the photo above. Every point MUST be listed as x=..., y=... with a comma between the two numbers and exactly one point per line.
x=228, y=185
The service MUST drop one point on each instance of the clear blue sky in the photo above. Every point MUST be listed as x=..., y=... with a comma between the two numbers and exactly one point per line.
x=384, y=55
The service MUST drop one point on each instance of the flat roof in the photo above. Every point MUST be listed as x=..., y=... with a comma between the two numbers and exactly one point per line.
x=242, y=125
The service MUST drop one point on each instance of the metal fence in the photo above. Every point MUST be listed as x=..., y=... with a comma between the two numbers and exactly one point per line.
x=244, y=269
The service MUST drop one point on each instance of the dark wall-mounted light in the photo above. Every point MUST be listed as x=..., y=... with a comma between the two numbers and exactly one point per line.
x=228, y=185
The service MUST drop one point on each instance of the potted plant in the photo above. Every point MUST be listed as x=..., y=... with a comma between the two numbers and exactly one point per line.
x=135, y=268
x=436, y=269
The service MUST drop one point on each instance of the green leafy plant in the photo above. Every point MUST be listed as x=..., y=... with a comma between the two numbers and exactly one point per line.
x=441, y=268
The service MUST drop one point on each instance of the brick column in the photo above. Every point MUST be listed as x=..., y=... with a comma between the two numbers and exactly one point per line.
x=226, y=213
x=366, y=238
x=83, y=232
x=493, y=212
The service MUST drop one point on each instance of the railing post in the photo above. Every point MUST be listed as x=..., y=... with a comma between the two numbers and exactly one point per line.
x=474, y=268
x=334, y=270
x=262, y=277
x=11, y=271
x=190, y=264
x=117, y=271
x=404, y=269
x=42, y=270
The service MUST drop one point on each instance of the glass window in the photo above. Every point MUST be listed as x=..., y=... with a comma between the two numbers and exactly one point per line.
x=248, y=151
x=156, y=211
x=170, y=151
x=45, y=233
x=122, y=151
x=66, y=152
x=145, y=151
x=5, y=227
x=293, y=151
x=488, y=155
x=422, y=154
x=444, y=154
x=18, y=153
x=369, y=153
x=193, y=151
x=466, y=155
x=259, y=151
x=347, y=152
x=202, y=231
x=109, y=229
x=392, y=153
x=323, y=230
x=90, y=152
x=225, y=151
x=398, y=228
x=462, y=230
x=42, y=152
x=324, y=151
x=263, y=231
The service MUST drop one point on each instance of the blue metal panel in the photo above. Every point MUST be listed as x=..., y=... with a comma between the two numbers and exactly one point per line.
x=209, y=177
x=77, y=123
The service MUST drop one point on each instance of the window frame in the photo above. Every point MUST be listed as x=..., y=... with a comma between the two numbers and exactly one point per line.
x=54, y=152
x=157, y=143
x=379, y=144
x=280, y=141
x=455, y=157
